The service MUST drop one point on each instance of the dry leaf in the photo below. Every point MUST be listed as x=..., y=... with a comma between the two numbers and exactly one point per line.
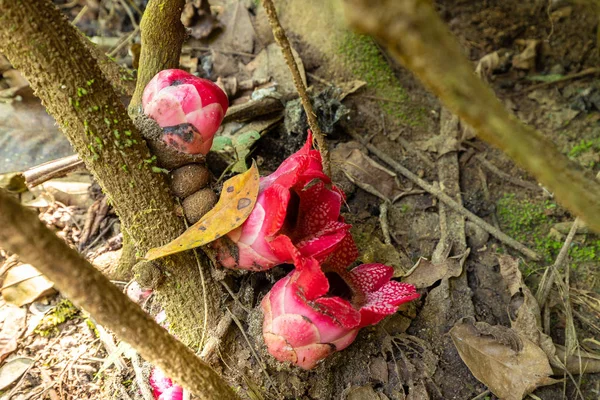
x=523, y=308
x=425, y=273
x=13, y=324
x=366, y=173
x=270, y=63
x=13, y=369
x=238, y=32
x=510, y=365
x=234, y=206
x=527, y=58
x=24, y=284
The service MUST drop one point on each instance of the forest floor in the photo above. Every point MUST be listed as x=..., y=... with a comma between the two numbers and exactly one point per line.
x=540, y=59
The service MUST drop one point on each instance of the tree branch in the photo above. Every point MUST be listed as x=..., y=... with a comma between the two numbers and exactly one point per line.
x=415, y=35
x=24, y=234
x=162, y=36
x=48, y=50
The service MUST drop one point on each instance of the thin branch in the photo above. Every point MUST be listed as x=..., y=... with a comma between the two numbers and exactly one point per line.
x=415, y=35
x=448, y=200
x=286, y=49
x=162, y=35
x=52, y=169
x=503, y=175
x=24, y=234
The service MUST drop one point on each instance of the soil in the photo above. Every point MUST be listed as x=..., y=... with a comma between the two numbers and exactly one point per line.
x=410, y=355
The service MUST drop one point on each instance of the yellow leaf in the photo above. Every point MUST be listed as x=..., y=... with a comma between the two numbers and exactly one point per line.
x=233, y=208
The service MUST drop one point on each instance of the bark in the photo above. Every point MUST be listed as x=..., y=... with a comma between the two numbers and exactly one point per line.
x=42, y=44
x=415, y=36
x=162, y=37
x=89, y=289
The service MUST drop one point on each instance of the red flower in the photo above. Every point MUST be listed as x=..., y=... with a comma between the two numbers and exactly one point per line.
x=294, y=203
x=163, y=388
x=305, y=319
x=188, y=108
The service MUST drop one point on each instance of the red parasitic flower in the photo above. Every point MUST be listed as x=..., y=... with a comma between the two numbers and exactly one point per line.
x=188, y=108
x=163, y=388
x=293, y=202
x=310, y=314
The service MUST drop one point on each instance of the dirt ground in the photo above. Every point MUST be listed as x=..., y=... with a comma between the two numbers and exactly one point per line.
x=525, y=50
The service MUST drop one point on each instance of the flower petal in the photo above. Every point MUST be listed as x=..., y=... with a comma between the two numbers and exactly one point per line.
x=385, y=301
x=165, y=110
x=207, y=119
x=297, y=329
x=370, y=277
x=341, y=310
x=344, y=255
x=186, y=95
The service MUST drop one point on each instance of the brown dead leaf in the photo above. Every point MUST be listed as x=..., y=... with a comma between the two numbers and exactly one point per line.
x=440, y=144
x=233, y=208
x=523, y=308
x=13, y=324
x=198, y=18
x=527, y=58
x=509, y=364
x=238, y=31
x=24, y=284
x=366, y=173
x=425, y=273
x=270, y=63
x=13, y=369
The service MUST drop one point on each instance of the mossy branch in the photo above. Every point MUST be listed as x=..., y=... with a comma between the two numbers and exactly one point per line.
x=416, y=36
x=89, y=289
x=162, y=35
x=48, y=50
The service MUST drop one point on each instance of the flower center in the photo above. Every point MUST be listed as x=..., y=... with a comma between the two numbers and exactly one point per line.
x=338, y=287
x=291, y=213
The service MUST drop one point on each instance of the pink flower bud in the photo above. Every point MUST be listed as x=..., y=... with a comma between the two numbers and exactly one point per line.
x=188, y=108
x=310, y=314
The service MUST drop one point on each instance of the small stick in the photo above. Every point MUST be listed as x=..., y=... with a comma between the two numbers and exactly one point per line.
x=383, y=221
x=515, y=181
x=52, y=169
x=283, y=42
x=585, y=72
x=504, y=238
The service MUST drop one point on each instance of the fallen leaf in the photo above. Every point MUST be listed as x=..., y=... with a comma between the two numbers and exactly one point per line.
x=234, y=206
x=13, y=369
x=425, y=273
x=523, y=309
x=24, y=284
x=527, y=58
x=348, y=88
x=366, y=173
x=509, y=364
x=270, y=63
x=13, y=324
x=440, y=144
x=196, y=16
x=238, y=32
x=242, y=145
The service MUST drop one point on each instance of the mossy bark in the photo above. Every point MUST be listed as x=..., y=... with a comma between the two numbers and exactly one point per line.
x=89, y=289
x=161, y=48
x=47, y=49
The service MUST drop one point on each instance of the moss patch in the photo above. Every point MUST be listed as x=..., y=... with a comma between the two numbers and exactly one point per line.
x=529, y=222
x=363, y=58
x=64, y=311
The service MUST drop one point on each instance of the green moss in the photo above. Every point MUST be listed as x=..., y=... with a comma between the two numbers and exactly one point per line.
x=528, y=222
x=64, y=311
x=583, y=146
x=92, y=327
x=365, y=61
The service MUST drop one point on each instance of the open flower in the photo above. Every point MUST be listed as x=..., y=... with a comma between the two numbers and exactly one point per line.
x=310, y=314
x=188, y=108
x=163, y=388
x=293, y=202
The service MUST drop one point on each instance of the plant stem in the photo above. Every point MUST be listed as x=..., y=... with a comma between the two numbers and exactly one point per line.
x=286, y=49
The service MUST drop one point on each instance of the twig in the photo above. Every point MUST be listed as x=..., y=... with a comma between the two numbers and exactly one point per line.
x=383, y=221
x=448, y=200
x=585, y=72
x=140, y=378
x=411, y=149
x=52, y=169
x=283, y=42
x=515, y=181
